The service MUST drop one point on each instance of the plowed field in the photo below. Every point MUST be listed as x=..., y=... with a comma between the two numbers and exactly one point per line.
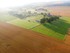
x=14, y=39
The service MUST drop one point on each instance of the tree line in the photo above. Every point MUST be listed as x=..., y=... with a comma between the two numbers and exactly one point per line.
x=49, y=20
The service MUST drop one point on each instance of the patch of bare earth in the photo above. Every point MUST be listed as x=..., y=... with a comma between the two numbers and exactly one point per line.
x=67, y=41
x=60, y=10
x=67, y=38
x=14, y=39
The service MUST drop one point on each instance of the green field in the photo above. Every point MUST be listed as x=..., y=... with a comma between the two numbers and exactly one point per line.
x=57, y=29
x=25, y=23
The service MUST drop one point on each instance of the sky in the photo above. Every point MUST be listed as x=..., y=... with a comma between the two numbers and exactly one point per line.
x=13, y=3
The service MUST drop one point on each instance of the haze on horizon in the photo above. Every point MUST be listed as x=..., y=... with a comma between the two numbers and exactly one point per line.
x=13, y=3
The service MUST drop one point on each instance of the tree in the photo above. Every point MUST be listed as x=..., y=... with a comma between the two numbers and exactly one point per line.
x=42, y=20
x=29, y=12
x=46, y=19
x=49, y=15
x=49, y=20
x=57, y=17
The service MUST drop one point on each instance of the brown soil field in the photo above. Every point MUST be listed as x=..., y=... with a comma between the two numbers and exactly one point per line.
x=67, y=38
x=60, y=10
x=14, y=39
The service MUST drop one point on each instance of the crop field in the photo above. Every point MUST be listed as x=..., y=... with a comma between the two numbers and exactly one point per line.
x=14, y=39
x=57, y=29
x=24, y=23
x=29, y=22
x=60, y=10
x=41, y=26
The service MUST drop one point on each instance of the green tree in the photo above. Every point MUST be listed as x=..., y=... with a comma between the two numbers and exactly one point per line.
x=42, y=20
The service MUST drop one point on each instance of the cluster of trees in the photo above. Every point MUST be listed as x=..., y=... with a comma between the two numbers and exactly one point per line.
x=22, y=14
x=49, y=20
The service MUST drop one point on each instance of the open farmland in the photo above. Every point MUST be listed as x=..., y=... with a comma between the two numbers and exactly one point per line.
x=4, y=17
x=57, y=29
x=41, y=26
x=23, y=40
x=28, y=23
x=60, y=10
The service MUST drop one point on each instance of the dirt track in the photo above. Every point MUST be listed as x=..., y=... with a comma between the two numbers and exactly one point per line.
x=17, y=40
